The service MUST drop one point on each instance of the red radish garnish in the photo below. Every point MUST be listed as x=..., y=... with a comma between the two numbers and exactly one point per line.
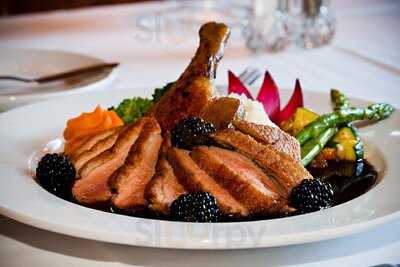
x=269, y=97
x=236, y=86
x=296, y=101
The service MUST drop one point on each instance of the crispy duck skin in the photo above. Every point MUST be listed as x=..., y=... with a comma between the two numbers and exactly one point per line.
x=222, y=111
x=272, y=136
x=164, y=188
x=101, y=146
x=193, y=178
x=286, y=171
x=131, y=179
x=243, y=179
x=89, y=142
x=193, y=89
x=92, y=188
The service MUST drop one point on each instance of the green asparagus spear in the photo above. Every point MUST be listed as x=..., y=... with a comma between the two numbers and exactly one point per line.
x=339, y=100
x=373, y=112
x=312, y=147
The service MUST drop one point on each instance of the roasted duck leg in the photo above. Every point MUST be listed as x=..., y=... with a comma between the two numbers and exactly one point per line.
x=193, y=89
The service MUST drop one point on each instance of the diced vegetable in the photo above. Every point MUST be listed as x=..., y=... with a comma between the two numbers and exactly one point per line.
x=348, y=145
x=321, y=160
x=301, y=118
x=287, y=125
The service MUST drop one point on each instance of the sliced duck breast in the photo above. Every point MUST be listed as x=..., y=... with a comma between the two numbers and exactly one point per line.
x=101, y=146
x=272, y=136
x=92, y=188
x=286, y=171
x=242, y=178
x=164, y=188
x=193, y=178
x=131, y=179
x=90, y=141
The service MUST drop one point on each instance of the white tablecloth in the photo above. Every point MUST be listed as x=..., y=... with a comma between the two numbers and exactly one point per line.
x=363, y=61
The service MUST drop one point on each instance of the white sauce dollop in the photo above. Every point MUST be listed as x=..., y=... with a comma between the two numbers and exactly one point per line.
x=254, y=110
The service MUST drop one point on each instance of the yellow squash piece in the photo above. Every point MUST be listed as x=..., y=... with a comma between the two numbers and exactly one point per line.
x=301, y=118
x=347, y=145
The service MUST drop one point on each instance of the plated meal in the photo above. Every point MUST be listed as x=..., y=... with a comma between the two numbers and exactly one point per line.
x=189, y=154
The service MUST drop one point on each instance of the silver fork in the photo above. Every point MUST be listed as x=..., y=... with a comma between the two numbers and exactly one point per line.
x=249, y=75
x=63, y=75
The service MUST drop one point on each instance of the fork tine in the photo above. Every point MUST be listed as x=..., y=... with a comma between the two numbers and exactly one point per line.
x=246, y=74
x=255, y=75
x=252, y=73
x=251, y=76
x=243, y=74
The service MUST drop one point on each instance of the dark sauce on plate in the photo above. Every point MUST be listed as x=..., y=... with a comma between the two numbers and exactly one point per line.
x=349, y=180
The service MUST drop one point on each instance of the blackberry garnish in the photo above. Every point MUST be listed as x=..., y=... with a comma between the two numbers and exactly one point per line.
x=195, y=207
x=56, y=173
x=311, y=195
x=190, y=132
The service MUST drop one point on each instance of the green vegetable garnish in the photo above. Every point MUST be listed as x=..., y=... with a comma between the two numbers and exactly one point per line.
x=132, y=109
x=312, y=147
x=339, y=100
x=373, y=112
x=318, y=133
x=348, y=142
x=159, y=92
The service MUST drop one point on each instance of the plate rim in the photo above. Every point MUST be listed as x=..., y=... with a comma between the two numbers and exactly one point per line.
x=301, y=238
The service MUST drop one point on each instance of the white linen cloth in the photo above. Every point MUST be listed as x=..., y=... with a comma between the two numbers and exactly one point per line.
x=363, y=61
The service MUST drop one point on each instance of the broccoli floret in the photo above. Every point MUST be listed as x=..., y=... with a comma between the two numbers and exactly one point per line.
x=159, y=92
x=132, y=109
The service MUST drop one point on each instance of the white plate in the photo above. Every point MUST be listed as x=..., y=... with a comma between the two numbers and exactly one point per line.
x=25, y=129
x=34, y=63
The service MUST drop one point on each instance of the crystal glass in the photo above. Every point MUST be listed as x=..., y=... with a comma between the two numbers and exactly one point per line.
x=315, y=25
x=197, y=12
x=267, y=28
x=177, y=22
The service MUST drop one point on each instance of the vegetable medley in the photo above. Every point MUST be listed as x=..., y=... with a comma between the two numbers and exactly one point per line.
x=333, y=130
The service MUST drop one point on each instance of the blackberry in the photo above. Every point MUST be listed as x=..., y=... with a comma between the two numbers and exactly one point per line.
x=56, y=173
x=311, y=195
x=190, y=132
x=195, y=207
